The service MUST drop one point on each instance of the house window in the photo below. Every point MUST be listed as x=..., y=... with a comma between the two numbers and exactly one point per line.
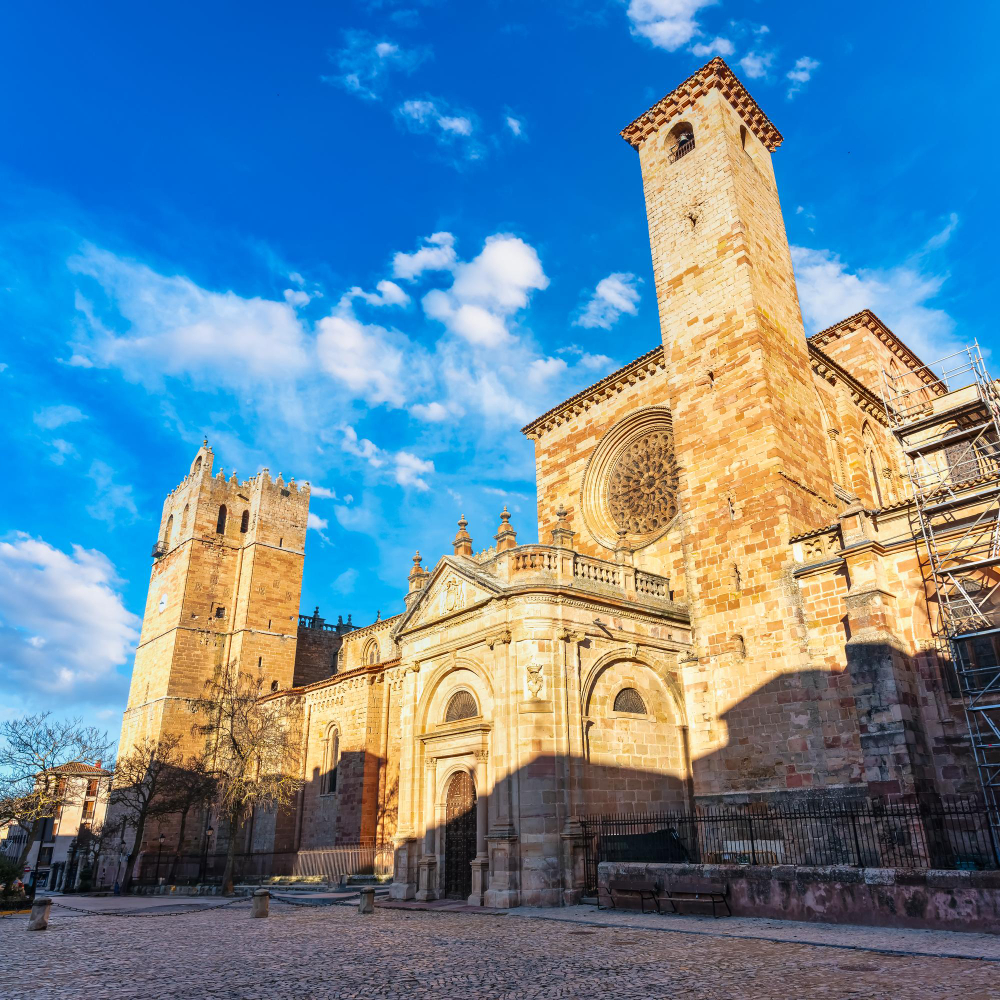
x=332, y=755
x=92, y=788
x=629, y=700
x=88, y=809
x=220, y=612
x=372, y=652
x=461, y=706
x=245, y=522
x=220, y=525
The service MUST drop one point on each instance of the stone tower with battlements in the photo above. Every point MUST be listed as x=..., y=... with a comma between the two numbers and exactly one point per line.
x=224, y=588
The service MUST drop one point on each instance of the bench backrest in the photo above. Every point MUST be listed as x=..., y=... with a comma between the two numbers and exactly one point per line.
x=704, y=885
x=632, y=885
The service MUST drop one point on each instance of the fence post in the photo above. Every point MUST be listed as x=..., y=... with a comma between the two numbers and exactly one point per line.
x=753, y=845
x=854, y=830
x=261, y=903
x=39, y=919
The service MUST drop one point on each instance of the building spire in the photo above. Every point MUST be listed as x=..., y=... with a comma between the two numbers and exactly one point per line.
x=506, y=536
x=463, y=540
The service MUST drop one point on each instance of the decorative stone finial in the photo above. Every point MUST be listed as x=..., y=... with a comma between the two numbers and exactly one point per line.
x=562, y=534
x=506, y=536
x=418, y=575
x=463, y=540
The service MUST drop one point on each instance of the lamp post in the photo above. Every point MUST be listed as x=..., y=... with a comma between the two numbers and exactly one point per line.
x=121, y=858
x=159, y=852
x=204, y=854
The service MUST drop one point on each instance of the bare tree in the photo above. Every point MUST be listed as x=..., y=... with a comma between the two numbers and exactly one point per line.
x=194, y=789
x=30, y=748
x=145, y=786
x=252, y=745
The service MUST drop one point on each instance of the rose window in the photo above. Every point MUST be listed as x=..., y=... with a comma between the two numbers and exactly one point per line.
x=642, y=486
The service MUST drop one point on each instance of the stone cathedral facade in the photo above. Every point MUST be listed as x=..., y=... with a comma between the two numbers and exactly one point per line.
x=727, y=599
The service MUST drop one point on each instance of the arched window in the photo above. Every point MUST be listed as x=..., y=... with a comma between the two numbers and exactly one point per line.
x=184, y=517
x=220, y=525
x=629, y=700
x=372, y=651
x=873, y=464
x=331, y=761
x=245, y=522
x=197, y=466
x=168, y=534
x=680, y=140
x=462, y=705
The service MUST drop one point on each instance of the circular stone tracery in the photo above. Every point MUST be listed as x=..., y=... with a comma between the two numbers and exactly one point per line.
x=642, y=486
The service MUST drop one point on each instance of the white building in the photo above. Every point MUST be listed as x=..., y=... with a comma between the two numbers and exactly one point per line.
x=64, y=845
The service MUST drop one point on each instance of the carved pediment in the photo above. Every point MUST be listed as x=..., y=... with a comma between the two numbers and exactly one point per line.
x=449, y=591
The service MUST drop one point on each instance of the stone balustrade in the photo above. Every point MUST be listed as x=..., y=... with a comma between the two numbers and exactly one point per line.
x=550, y=565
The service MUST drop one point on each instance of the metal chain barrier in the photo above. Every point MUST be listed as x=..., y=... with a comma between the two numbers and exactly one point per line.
x=137, y=913
x=343, y=901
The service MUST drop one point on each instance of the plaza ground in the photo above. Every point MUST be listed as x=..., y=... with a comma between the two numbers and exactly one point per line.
x=165, y=948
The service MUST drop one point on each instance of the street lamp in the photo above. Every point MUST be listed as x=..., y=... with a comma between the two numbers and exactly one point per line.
x=204, y=854
x=121, y=858
x=159, y=851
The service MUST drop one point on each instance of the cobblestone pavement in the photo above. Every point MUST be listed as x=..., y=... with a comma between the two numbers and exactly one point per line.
x=332, y=951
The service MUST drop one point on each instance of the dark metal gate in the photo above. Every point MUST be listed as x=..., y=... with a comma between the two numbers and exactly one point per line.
x=459, y=836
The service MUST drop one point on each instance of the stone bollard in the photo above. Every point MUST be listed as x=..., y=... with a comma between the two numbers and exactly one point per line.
x=261, y=903
x=39, y=918
x=366, y=904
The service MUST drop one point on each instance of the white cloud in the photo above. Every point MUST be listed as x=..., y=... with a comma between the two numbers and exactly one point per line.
x=515, y=125
x=940, y=238
x=316, y=523
x=51, y=417
x=63, y=450
x=410, y=470
x=3, y=367
x=614, y=295
x=63, y=626
x=756, y=64
x=388, y=294
x=718, y=46
x=801, y=73
x=668, y=24
x=406, y=468
x=174, y=327
x=487, y=290
x=900, y=296
x=368, y=359
x=111, y=499
x=366, y=62
x=321, y=492
x=435, y=117
x=344, y=582
x=431, y=413
x=437, y=254
x=296, y=297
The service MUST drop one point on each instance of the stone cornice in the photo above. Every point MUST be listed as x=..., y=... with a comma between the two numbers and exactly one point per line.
x=866, y=318
x=649, y=364
x=862, y=397
x=714, y=75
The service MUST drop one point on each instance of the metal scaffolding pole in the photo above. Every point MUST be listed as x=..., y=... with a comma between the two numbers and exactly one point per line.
x=946, y=417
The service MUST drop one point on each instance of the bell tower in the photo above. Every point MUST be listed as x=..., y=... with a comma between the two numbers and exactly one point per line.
x=752, y=461
x=224, y=588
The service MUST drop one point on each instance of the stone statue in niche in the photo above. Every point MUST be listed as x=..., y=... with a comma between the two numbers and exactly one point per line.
x=535, y=680
x=454, y=596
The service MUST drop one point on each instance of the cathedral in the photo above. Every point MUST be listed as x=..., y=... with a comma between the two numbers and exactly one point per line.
x=727, y=601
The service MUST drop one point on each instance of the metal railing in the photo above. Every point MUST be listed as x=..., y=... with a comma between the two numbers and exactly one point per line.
x=346, y=859
x=681, y=149
x=865, y=833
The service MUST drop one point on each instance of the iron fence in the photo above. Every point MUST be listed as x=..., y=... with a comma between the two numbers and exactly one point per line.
x=346, y=859
x=864, y=833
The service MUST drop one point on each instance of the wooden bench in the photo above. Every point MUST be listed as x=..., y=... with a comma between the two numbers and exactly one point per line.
x=644, y=888
x=700, y=890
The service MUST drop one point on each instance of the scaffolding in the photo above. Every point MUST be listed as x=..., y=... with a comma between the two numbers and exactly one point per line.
x=946, y=417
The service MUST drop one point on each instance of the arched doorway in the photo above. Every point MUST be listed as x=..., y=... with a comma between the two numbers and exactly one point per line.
x=459, y=836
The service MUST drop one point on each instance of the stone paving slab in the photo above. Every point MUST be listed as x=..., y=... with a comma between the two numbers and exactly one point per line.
x=884, y=940
x=320, y=952
x=439, y=906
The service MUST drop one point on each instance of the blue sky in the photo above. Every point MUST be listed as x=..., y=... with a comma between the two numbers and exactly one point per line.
x=363, y=243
